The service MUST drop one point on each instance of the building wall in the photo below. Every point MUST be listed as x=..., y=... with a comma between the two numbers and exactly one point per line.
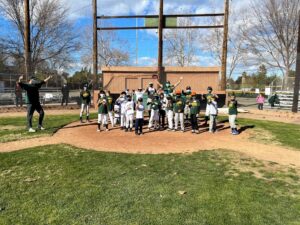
x=117, y=79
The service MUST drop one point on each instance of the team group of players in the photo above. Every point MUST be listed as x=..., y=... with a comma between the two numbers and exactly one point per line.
x=179, y=107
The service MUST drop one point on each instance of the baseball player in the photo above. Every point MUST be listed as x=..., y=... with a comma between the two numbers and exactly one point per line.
x=208, y=98
x=117, y=111
x=162, y=110
x=33, y=100
x=168, y=88
x=232, y=114
x=85, y=97
x=102, y=111
x=122, y=102
x=139, y=120
x=178, y=111
x=212, y=111
x=194, y=106
x=170, y=112
x=187, y=98
x=150, y=92
x=129, y=112
x=154, y=118
x=110, y=107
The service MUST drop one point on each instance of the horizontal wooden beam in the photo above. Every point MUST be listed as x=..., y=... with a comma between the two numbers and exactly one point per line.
x=156, y=16
x=143, y=28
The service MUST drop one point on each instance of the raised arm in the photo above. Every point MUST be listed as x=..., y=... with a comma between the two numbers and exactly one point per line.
x=159, y=84
x=175, y=85
x=47, y=79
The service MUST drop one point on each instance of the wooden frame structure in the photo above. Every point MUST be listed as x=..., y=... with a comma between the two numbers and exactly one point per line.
x=161, y=26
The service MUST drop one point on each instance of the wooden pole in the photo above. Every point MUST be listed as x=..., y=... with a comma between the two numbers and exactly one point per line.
x=297, y=76
x=27, y=48
x=225, y=47
x=160, y=71
x=95, y=45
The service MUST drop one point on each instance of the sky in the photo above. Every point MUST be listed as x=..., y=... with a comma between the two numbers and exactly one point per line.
x=80, y=13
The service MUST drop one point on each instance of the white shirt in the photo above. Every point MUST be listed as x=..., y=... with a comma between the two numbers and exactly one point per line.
x=140, y=111
x=122, y=102
x=139, y=94
x=129, y=108
x=212, y=108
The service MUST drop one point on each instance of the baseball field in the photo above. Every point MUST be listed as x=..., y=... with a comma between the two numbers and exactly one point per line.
x=71, y=174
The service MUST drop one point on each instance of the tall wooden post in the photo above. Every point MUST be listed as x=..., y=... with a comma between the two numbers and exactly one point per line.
x=95, y=45
x=297, y=76
x=160, y=69
x=225, y=48
x=27, y=48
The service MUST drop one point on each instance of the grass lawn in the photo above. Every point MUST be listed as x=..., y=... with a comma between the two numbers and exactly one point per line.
x=60, y=184
x=14, y=128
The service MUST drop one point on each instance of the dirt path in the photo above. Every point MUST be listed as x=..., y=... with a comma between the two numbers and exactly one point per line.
x=160, y=142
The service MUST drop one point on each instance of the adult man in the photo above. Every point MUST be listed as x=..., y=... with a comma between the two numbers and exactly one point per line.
x=33, y=100
x=168, y=88
x=65, y=94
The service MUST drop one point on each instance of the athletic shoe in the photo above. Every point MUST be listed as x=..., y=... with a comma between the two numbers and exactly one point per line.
x=41, y=128
x=98, y=130
x=106, y=130
x=193, y=131
x=31, y=130
x=197, y=132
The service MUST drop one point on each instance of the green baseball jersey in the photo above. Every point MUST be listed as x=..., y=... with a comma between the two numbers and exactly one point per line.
x=179, y=105
x=155, y=104
x=110, y=105
x=232, y=108
x=208, y=97
x=170, y=104
x=102, y=106
x=85, y=97
x=194, y=107
x=168, y=90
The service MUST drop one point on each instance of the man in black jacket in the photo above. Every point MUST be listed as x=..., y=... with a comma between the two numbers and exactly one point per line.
x=65, y=94
x=33, y=100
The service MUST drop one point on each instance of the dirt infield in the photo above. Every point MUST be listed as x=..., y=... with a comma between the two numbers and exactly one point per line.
x=159, y=142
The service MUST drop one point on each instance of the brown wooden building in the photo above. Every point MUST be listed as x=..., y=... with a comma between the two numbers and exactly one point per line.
x=118, y=79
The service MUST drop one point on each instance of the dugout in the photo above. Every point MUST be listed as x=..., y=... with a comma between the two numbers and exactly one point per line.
x=117, y=79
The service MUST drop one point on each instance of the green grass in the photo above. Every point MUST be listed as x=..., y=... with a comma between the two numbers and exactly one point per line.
x=64, y=185
x=14, y=128
x=284, y=133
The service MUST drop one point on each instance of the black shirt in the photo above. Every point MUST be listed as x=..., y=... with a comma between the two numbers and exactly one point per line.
x=33, y=96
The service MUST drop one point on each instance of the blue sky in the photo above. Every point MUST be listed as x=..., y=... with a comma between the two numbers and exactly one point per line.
x=81, y=12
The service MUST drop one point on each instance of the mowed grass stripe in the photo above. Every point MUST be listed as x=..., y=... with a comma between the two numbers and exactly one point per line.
x=61, y=184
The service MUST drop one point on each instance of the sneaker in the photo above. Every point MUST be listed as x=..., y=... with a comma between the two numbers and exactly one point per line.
x=197, y=132
x=193, y=131
x=31, y=130
x=182, y=131
x=174, y=130
x=106, y=129
x=169, y=129
x=98, y=130
x=41, y=128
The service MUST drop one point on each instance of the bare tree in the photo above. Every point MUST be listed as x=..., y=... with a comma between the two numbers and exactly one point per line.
x=270, y=33
x=52, y=36
x=113, y=51
x=212, y=41
x=181, y=45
